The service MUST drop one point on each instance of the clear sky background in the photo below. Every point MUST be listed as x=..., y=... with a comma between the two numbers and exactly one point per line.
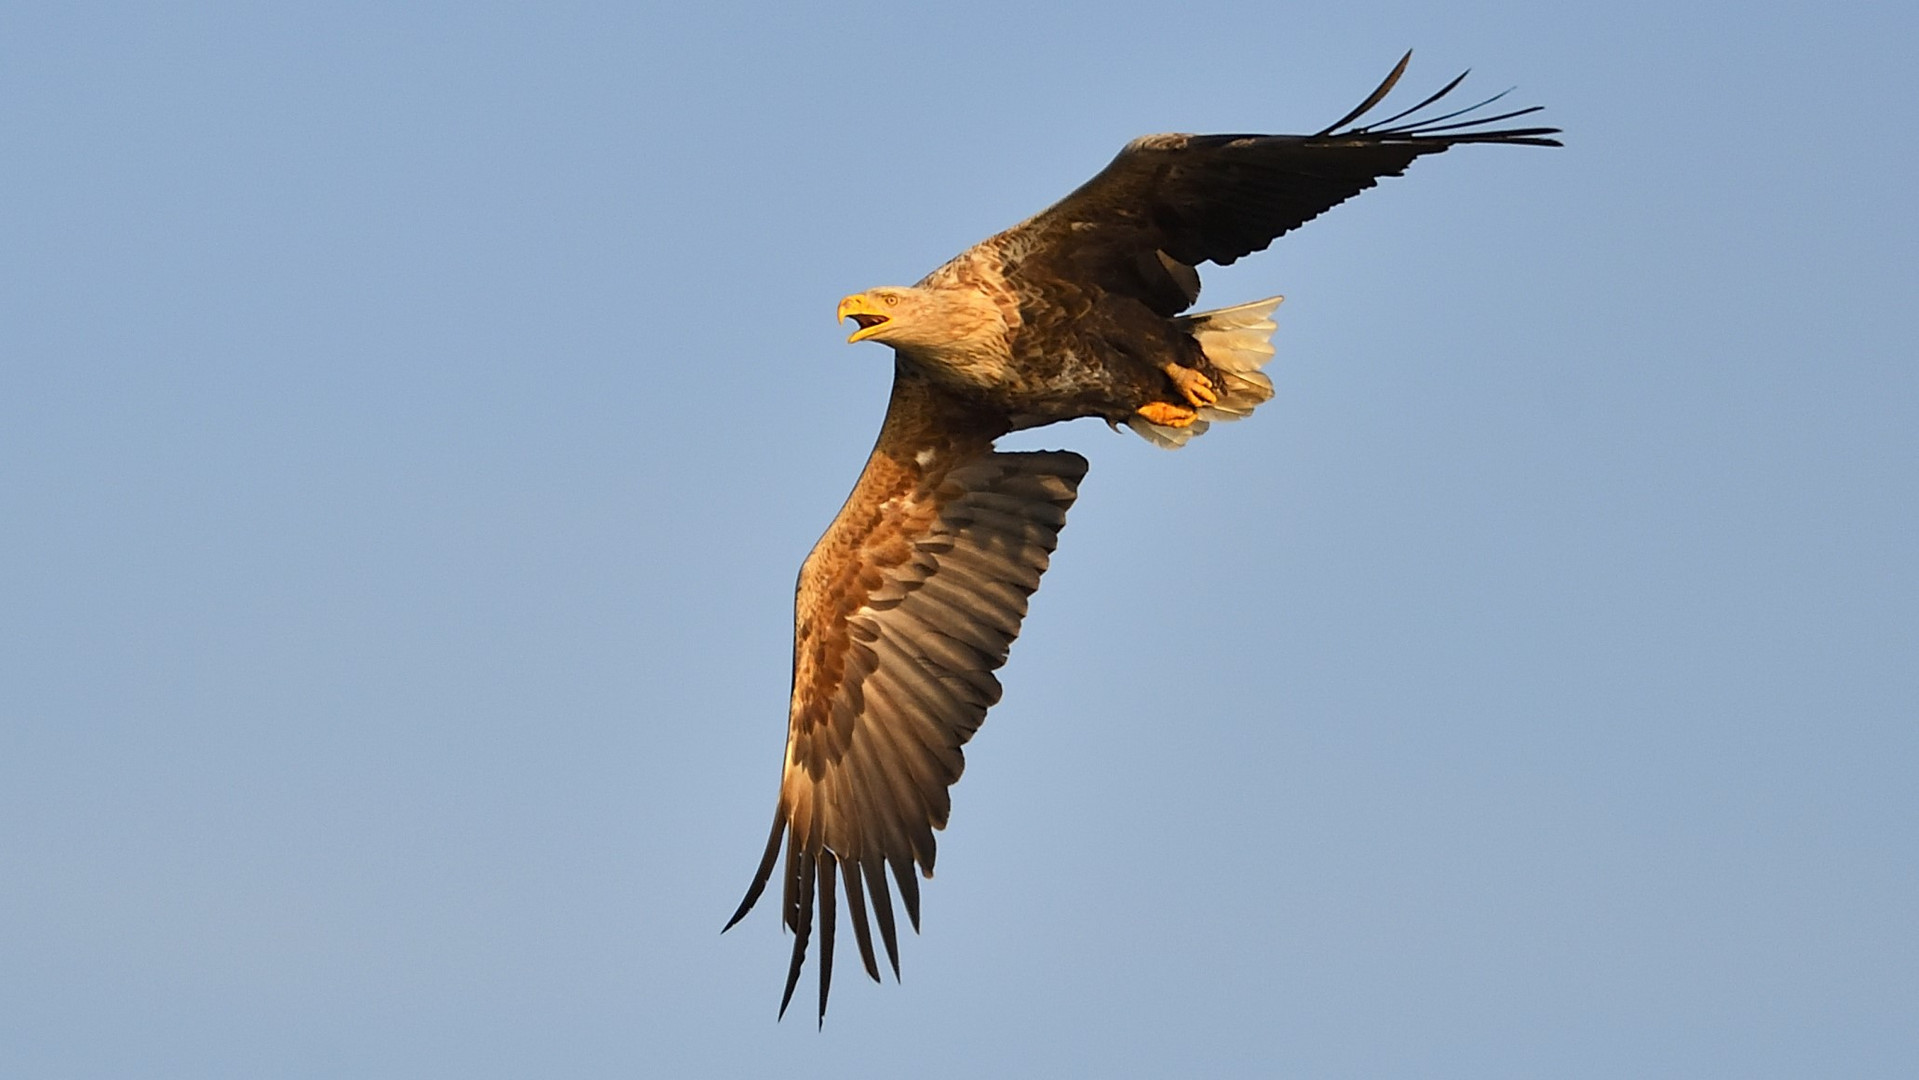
x=412, y=419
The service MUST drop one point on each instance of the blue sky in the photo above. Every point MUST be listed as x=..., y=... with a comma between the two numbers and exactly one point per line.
x=411, y=422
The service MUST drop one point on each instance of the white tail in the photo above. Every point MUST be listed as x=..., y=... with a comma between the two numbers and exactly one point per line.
x=1235, y=339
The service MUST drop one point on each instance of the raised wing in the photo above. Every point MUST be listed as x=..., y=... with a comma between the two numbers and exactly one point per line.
x=1189, y=199
x=905, y=609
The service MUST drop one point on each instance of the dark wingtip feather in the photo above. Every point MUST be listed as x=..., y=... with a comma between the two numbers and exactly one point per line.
x=1430, y=98
x=829, y=919
x=1430, y=123
x=856, y=914
x=883, y=910
x=1374, y=98
x=909, y=891
x=1540, y=136
x=802, y=930
x=760, y=877
x=1429, y=134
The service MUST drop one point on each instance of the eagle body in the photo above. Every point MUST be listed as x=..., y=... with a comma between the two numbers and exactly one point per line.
x=1037, y=344
x=910, y=601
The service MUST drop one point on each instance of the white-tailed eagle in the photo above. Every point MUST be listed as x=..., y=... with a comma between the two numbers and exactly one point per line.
x=908, y=603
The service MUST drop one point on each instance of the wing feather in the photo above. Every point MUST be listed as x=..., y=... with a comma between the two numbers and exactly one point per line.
x=908, y=628
x=905, y=609
x=1216, y=198
x=875, y=873
x=799, y=917
x=829, y=919
x=856, y=914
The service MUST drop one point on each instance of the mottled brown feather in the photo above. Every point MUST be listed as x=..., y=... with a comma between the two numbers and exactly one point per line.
x=905, y=608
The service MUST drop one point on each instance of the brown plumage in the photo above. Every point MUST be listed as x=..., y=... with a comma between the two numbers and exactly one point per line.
x=908, y=604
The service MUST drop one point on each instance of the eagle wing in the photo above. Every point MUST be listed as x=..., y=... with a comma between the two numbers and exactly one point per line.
x=1170, y=202
x=904, y=609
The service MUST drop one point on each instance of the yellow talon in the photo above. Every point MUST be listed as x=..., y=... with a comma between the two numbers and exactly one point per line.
x=1165, y=415
x=1194, y=386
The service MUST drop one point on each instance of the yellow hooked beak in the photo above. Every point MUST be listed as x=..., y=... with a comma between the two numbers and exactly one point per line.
x=863, y=310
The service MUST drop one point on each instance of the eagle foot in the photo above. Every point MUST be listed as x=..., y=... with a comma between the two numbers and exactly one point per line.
x=1167, y=415
x=1194, y=386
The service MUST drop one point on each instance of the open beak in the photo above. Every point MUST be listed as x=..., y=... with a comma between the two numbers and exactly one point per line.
x=864, y=312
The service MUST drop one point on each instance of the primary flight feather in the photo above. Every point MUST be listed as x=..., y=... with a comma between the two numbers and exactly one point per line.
x=909, y=602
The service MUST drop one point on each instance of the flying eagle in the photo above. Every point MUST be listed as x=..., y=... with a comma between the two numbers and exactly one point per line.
x=908, y=603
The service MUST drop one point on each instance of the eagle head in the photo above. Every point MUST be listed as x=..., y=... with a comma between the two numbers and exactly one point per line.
x=958, y=329
x=885, y=314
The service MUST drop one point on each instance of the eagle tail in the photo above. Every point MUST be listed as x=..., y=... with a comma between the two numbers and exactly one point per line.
x=1236, y=340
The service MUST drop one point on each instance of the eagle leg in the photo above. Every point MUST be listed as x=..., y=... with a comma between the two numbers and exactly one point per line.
x=1193, y=385
x=1166, y=415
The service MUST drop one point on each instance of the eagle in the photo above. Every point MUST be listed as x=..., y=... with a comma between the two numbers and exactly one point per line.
x=909, y=602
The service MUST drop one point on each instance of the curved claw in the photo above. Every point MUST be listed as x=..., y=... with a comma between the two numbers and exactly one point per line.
x=1196, y=388
x=1167, y=415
